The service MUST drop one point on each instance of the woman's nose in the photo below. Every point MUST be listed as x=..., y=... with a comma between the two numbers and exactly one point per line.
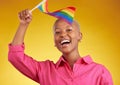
x=63, y=34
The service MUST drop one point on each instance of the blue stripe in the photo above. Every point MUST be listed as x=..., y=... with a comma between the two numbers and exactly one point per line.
x=40, y=8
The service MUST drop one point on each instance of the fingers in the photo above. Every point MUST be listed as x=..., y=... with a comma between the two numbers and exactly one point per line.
x=25, y=16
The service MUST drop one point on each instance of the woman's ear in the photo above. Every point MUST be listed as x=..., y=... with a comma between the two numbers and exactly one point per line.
x=54, y=45
x=80, y=36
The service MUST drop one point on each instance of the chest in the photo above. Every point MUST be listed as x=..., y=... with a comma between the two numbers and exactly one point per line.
x=79, y=75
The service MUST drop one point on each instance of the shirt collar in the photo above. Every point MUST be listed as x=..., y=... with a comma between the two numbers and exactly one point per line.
x=84, y=60
x=61, y=60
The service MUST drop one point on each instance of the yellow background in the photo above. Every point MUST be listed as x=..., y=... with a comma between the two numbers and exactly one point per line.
x=100, y=25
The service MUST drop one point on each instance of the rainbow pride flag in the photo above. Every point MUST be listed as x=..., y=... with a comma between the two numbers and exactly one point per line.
x=66, y=14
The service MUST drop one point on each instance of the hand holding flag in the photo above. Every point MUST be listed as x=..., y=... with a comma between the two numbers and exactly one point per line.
x=25, y=17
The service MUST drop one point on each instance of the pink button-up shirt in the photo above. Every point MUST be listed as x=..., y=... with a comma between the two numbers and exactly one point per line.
x=84, y=72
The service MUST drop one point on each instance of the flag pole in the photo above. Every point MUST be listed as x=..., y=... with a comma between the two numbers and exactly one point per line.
x=37, y=6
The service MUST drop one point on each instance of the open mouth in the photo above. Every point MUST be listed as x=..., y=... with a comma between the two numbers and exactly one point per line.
x=65, y=42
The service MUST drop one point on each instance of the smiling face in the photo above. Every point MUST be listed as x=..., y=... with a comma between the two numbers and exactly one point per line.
x=66, y=36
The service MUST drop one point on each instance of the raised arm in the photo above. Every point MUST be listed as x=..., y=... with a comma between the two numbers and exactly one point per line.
x=25, y=18
x=16, y=56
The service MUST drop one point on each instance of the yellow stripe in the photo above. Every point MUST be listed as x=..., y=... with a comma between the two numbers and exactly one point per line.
x=70, y=12
x=44, y=7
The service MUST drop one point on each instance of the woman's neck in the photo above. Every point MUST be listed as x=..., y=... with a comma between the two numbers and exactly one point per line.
x=71, y=58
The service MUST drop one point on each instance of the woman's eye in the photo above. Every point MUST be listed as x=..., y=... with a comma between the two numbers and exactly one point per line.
x=69, y=30
x=57, y=32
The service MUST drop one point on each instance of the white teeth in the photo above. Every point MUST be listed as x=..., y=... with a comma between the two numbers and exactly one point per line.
x=64, y=41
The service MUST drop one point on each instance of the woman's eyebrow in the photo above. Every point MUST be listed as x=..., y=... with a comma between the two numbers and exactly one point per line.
x=57, y=29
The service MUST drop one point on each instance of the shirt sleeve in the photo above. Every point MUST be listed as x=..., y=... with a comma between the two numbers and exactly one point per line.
x=24, y=63
x=106, y=78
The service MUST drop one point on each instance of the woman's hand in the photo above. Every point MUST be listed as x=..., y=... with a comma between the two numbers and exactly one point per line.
x=25, y=16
